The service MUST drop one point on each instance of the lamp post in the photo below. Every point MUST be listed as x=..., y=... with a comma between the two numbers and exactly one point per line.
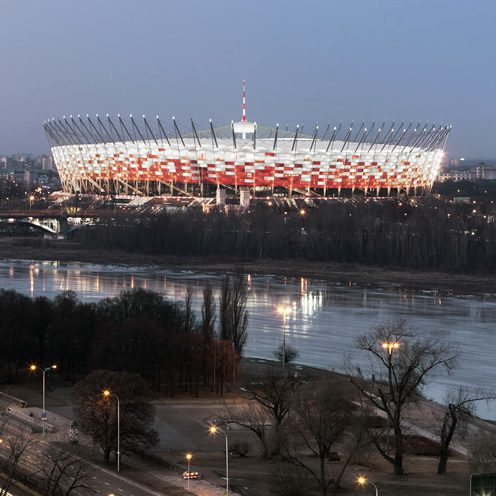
x=283, y=310
x=213, y=429
x=389, y=346
x=107, y=394
x=363, y=481
x=44, y=370
x=188, y=457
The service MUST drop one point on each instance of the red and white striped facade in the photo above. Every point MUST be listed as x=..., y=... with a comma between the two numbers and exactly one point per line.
x=158, y=165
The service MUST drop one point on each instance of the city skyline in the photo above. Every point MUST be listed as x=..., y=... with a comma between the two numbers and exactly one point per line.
x=324, y=62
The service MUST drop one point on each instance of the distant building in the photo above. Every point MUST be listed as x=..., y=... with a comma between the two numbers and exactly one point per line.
x=481, y=172
x=46, y=163
x=27, y=178
x=491, y=174
x=457, y=175
x=43, y=180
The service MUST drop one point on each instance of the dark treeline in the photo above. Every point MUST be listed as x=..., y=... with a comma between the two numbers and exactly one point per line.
x=418, y=233
x=138, y=332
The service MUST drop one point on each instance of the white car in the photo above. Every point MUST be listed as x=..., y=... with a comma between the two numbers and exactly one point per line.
x=191, y=475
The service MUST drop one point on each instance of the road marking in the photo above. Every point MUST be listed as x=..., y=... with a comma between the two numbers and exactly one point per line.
x=129, y=482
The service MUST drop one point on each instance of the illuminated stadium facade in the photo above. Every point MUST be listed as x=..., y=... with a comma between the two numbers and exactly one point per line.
x=144, y=157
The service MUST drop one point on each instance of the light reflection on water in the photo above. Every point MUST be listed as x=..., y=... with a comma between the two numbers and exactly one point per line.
x=323, y=321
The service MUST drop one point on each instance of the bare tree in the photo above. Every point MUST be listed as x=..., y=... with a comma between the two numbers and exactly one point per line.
x=325, y=415
x=275, y=396
x=225, y=364
x=232, y=311
x=13, y=450
x=460, y=406
x=255, y=418
x=482, y=452
x=98, y=414
x=208, y=313
x=209, y=351
x=189, y=316
x=400, y=363
x=63, y=474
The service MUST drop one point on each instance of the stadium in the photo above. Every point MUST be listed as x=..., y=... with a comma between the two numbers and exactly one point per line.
x=96, y=155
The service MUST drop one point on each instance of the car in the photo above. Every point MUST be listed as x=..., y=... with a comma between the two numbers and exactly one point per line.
x=191, y=475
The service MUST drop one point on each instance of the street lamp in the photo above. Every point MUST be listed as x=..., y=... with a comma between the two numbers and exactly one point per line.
x=213, y=429
x=31, y=200
x=44, y=370
x=283, y=310
x=363, y=481
x=389, y=346
x=107, y=394
x=188, y=457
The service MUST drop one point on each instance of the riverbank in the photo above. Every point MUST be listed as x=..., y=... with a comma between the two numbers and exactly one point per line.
x=359, y=275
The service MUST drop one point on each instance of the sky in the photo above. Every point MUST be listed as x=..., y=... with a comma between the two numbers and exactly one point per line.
x=304, y=62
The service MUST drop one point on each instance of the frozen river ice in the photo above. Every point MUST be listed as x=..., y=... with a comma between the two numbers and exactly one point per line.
x=323, y=322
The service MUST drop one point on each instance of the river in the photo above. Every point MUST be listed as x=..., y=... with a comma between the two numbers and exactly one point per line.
x=323, y=321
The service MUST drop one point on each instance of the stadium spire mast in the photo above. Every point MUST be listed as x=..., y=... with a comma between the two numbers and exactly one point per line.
x=243, y=118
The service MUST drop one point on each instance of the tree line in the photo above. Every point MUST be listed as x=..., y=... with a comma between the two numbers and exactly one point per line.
x=418, y=233
x=138, y=332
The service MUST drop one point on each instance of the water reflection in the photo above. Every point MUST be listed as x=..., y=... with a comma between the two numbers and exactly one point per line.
x=324, y=318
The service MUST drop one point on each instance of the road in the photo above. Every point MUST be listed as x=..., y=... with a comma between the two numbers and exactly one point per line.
x=105, y=481
x=100, y=480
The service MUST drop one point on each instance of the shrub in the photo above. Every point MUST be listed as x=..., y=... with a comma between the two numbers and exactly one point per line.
x=241, y=448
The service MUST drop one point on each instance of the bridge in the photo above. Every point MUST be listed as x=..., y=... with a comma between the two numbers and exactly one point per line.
x=55, y=224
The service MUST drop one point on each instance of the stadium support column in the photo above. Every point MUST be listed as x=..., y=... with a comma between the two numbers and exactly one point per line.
x=312, y=153
x=293, y=149
x=220, y=197
x=274, y=150
x=215, y=145
x=326, y=176
x=244, y=197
